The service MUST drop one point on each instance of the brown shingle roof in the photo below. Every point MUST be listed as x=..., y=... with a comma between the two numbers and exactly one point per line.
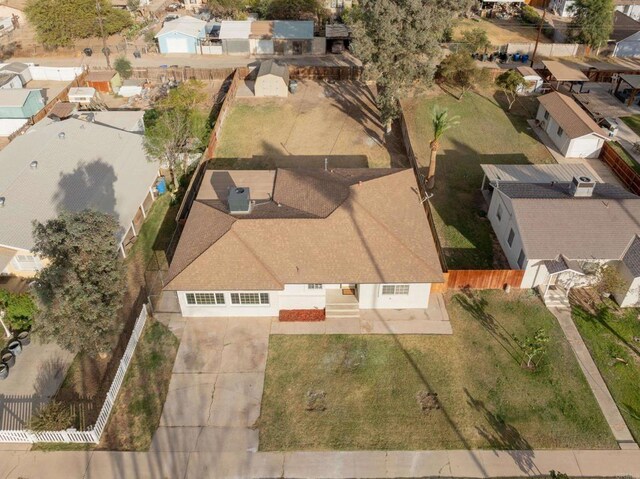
x=567, y=113
x=100, y=76
x=375, y=231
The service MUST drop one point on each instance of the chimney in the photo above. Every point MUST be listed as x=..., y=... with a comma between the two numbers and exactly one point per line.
x=582, y=187
x=239, y=200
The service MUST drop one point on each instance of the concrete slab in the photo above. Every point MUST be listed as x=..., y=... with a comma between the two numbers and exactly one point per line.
x=188, y=400
x=514, y=463
x=216, y=440
x=141, y=465
x=298, y=327
x=418, y=464
x=236, y=402
x=466, y=463
x=335, y=464
x=245, y=356
x=235, y=466
x=247, y=329
x=201, y=346
x=175, y=439
x=608, y=463
x=343, y=326
x=52, y=465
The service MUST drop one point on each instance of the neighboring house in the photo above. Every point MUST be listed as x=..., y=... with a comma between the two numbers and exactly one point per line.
x=570, y=128
x=278, y=37
x=561, y=8
x=559, y=232
x=17, y=106
x=70, y=165
x=194, y=5
x=628, y=7
x=10, y=80
x=272, y=80
x=258, y=242
x=625, y=36
x=182, y=35
x=338, y=6
x=104, y=81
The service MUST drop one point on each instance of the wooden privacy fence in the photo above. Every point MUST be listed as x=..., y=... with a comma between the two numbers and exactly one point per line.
x=479, y=279
x=625, y=173
x=325, y=72
x=160, y=74
x=93, y=434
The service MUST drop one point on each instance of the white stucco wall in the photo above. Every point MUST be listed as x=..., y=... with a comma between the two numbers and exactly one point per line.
x=299, y=296
x=503, y=226
x=587, y=146
x=229, y=309
x=370, y=297
x=630, y=297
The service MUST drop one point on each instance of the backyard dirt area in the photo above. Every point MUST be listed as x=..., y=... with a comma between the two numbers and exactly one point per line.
x=500, y=32
x=487, y=133
x=338, y=121
x=464, y=391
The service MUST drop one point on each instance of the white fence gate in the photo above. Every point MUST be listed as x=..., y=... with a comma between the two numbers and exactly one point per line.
x=92, y=435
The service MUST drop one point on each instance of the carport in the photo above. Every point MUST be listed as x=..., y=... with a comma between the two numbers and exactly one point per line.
x=563, y=73
x=601, y=104
x=630, y=82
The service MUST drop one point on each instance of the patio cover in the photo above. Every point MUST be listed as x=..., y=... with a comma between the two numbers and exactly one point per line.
x=632, y=80
x=563, y=72
x=535, y=173
x=601, y=105
x=562, y=264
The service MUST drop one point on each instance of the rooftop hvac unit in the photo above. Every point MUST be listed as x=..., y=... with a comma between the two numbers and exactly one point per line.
x=239, y=200
x=582, y=187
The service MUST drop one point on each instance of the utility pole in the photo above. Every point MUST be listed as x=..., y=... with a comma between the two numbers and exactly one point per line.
x=544, y=14
x=105, y=48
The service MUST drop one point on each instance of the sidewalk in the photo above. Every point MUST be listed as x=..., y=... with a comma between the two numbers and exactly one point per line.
x=594, y=378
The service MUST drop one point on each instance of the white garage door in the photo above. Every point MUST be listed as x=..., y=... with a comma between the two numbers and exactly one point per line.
x=177, y=45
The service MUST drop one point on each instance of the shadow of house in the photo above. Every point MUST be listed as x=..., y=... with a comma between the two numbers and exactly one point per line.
x=275, y=159
x=89, y=186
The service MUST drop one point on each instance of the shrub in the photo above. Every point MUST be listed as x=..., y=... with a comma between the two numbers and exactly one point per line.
x=55, y=416
x=19, y=310
x=123, y=66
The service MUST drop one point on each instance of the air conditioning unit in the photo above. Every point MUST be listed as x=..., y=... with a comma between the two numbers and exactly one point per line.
x=582, y=187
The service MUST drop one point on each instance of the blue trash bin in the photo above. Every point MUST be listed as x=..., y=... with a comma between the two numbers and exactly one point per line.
x=525, y=58
x=516, y=57
x=161, y=186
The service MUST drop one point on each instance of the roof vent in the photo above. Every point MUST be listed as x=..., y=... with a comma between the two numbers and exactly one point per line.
x=239, y=200
x=1, y=201
x=582, y=187
x=61, y=135
x=34, y=165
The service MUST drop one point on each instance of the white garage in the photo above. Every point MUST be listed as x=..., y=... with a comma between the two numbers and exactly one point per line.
x=272, y=80
x=177, y=45
x=571, y=129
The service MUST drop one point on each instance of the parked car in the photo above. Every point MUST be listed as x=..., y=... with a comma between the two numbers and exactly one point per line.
x=170, y=18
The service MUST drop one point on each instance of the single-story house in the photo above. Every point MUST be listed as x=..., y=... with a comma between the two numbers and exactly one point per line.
x=630, y=8
x=261, y=38
x=21, y=69
x=182, y=35
x=70, y=165
x=104, y=81
x=281, y=37
x=571, y=129
x=272, y=80
x=559, y=232
x=258, y=242
x=533, y=81
x=234, y=35
x=17, y=106
x=625, y=36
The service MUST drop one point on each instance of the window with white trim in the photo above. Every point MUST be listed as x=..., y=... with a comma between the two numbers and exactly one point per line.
x=204, y=299
x=314, y=286
x=389, y=289
x=26, y=262
x=249, y=298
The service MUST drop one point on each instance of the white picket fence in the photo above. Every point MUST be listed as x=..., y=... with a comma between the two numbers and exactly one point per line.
x=93, y=434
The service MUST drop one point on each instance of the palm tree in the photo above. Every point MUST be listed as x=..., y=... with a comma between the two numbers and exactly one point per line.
x=441, y=122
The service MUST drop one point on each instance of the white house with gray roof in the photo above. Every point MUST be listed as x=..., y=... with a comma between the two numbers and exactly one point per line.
x=559, y=230
x=70, y=165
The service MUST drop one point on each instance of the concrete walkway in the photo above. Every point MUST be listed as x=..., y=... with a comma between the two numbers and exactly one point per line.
x=433, y=320
x=595, y=380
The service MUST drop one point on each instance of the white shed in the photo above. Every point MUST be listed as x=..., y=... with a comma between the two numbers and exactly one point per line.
x=571, y=129
x=131, y=88
x=21, y=69
x=533, y=81
x=81, y=94
x=272, y=80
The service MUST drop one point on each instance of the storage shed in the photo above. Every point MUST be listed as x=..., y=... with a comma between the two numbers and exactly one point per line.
x=10, y=80
x=272, y=80
x=82, y=94
x=104, y=81
x=533, y=81
x=20, y=69
x=182, y=35
x=131, y=88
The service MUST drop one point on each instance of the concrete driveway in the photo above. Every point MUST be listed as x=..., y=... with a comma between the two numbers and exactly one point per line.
x=216, y=389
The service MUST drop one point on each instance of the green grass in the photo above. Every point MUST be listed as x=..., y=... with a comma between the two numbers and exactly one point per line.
x=633, y=122
x=487, y=399
x=156, y=230
x=625, y=156
x=610, y=336
x=486, y=134
x=137, y=410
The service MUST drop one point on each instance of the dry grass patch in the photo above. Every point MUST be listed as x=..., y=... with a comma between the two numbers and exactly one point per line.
x=463, y=391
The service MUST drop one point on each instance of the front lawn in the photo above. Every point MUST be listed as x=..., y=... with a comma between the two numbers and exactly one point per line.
x=361, y=392
x=613, y=340
x=486, y=134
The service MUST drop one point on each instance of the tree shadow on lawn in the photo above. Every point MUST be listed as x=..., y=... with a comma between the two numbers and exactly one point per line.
x=502, y=436
x=521, y=111
x=476, y=306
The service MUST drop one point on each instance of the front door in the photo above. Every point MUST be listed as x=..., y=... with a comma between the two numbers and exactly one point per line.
x=349, y=289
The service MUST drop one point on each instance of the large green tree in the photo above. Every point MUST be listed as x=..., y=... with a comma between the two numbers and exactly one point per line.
x=398, y=42
x=510, y=82
x=592, y=22
x=228, y=8
x=460, y=70
x=177, y=129
x=295, y=10
x=58, y=23
x=80, y=290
